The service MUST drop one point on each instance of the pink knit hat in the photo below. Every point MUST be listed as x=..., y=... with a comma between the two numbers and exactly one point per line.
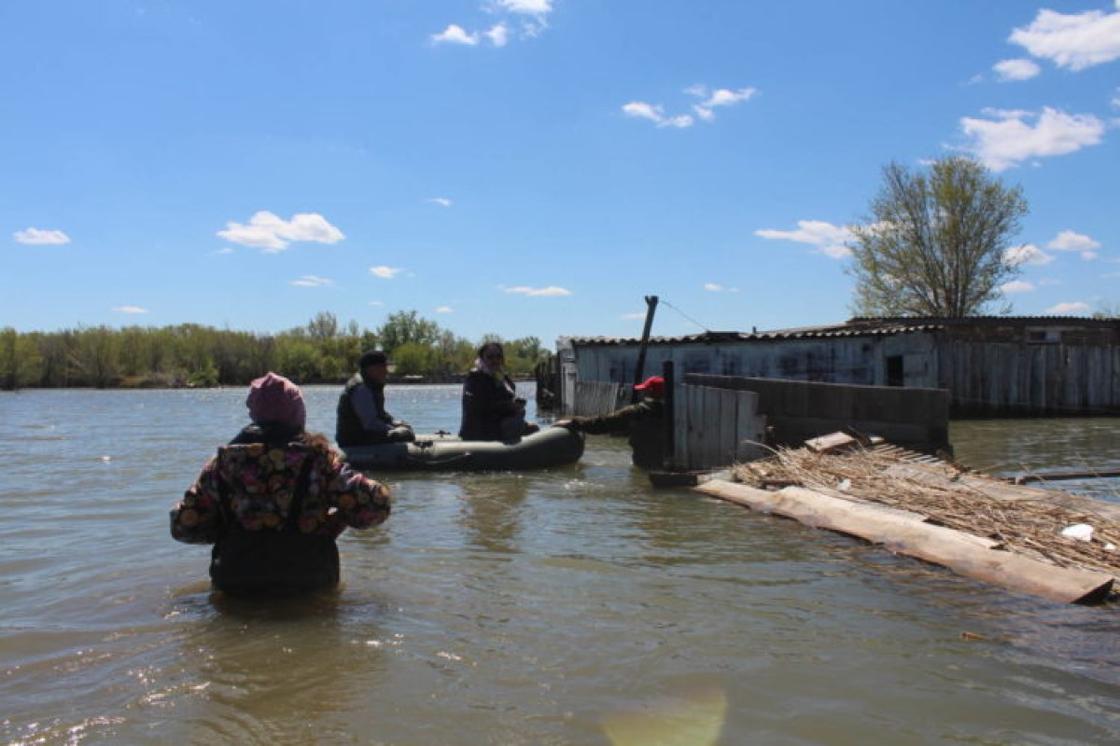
x=275, y=399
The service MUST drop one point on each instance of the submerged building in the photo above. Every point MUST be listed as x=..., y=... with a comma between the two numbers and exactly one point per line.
x=992, y=365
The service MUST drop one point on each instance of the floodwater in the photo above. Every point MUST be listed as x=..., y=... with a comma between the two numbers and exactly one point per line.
x=572, y=606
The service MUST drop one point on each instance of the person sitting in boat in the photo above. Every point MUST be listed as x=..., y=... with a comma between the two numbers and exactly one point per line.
x=492, y=410
x=274, y=500
x=644, y=421
x=362, y=419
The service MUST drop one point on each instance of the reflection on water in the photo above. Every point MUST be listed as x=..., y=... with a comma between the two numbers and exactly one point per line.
x=568, y=606
x=693, y=719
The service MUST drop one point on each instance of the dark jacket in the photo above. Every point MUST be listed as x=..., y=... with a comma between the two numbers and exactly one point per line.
x=487, y=400
x=645, y=423
x=272, y=505
x=349, y=430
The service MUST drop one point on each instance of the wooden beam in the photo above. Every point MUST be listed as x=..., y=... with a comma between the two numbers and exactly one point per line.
x=639, y=369
x=965, y=554
x=1051, y=476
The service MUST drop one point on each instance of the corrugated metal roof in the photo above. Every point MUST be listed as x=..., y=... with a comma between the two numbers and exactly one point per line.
x=985, y=320
x=855, y=327
x=808, y=332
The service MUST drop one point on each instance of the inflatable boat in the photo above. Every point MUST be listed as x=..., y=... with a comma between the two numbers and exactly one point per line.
x=553, y=446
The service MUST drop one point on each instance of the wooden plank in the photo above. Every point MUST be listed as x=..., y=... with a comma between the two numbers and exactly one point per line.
x=728, y=419
x=680, y=427
x=750, y=428
x=965, y=554
x=1051, y=476
x=710, y=452
x=695, y=440
x=831, y=443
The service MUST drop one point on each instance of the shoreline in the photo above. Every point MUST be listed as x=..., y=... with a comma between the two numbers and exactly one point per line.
x=146, y=386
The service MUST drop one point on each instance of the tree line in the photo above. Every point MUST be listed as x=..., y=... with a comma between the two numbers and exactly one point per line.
x=322, y=351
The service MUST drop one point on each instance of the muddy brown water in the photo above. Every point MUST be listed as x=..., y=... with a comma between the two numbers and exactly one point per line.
x=570, y=606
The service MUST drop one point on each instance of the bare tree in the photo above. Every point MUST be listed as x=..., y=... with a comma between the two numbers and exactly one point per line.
x=935, y=243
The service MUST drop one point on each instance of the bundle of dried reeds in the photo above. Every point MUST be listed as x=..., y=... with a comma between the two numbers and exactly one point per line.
x=1032, y=527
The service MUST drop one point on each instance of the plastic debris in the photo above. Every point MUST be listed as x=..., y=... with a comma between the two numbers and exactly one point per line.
x=1079, y=531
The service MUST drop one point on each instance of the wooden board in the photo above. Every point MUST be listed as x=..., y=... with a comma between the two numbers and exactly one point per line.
x=968, y=555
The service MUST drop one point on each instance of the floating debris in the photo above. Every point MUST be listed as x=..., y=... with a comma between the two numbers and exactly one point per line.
x=1030, y=521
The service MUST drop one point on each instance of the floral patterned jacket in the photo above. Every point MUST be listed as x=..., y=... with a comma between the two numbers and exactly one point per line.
x=254, y=484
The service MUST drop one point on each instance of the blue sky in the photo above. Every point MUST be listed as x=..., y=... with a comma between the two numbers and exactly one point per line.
x=528, y=167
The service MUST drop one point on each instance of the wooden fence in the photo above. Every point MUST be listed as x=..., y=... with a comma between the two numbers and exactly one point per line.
x=594, y=398
x=714, y=427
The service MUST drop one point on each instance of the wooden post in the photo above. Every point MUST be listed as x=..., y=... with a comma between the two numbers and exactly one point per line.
x=639, y=370
x=670, y=425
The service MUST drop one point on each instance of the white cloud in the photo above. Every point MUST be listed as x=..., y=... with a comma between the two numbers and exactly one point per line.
x=384, y=272
x=1017, y=286
x=713, y=287
x=41, y=237
x=454, y=34
x=1073, y=40
x=1010, y=139
x=1028, y=253
x=1116, y=99
x=680, y=121
x=444, y=309
x=718, y=97
x=642, y=110
x=828, y=239
x=531, y=16
x=376, y=303
x=633, y=316
x=130, y=309
x=992, y=111
x=550, y=291
x=441, y=201
x=498, y=34
x=272, y=233
x=312, y=281
x=1066, y=309
x=1069, y=240
x=526, y=7
x=728, y=97
x=1017, y=69
x=224, y=250
x=1089, y=255
x=534, y=14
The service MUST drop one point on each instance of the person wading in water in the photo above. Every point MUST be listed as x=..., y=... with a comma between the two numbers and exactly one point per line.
x=644, y=421
x=274, y=500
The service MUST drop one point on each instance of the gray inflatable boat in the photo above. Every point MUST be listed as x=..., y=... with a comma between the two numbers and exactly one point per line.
x=553, y=446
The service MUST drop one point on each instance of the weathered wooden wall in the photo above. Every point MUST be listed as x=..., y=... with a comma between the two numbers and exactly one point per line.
x=992, y=378
x=856, y=359
x=993, y=368
x=715, y=427
x=798, y=410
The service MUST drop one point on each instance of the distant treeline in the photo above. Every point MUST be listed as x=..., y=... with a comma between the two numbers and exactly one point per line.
x=323, y=351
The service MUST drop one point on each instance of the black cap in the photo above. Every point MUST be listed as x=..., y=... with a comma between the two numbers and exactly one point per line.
x=373, y=357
